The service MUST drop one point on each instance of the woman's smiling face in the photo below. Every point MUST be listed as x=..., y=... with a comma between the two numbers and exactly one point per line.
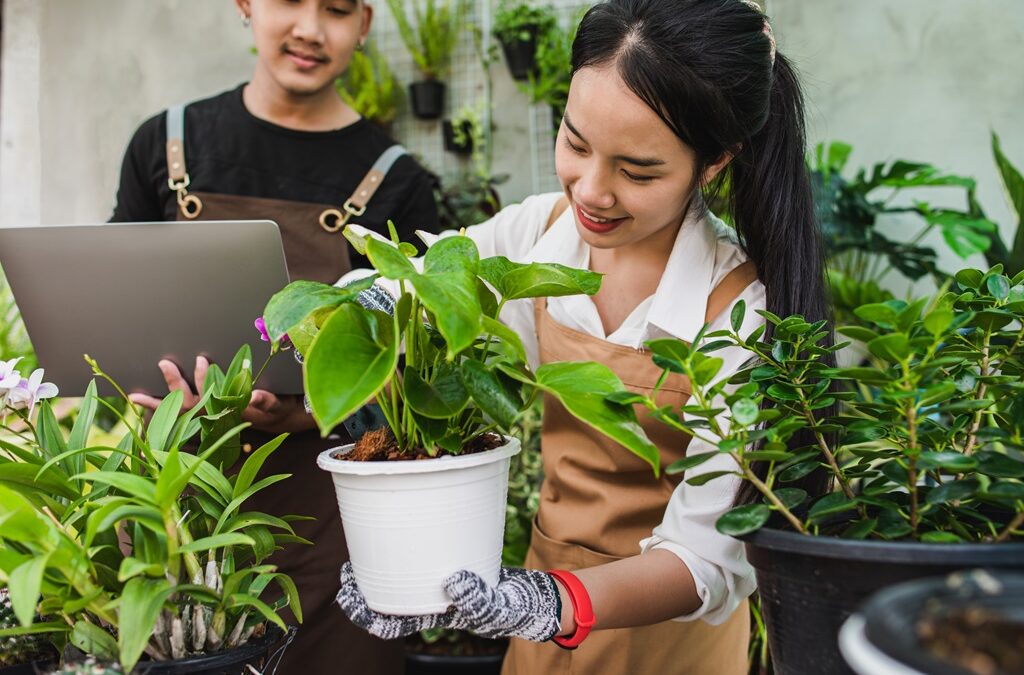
x=626, y=174
x=304, y=45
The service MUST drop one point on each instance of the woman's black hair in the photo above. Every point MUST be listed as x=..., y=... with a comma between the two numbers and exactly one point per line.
x=710, y=71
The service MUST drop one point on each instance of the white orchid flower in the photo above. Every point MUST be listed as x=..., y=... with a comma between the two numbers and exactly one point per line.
x=9, y=378
x=27, y=393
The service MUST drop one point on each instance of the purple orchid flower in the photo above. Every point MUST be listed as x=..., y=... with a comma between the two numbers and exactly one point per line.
x=261, y=326
x=27, y=393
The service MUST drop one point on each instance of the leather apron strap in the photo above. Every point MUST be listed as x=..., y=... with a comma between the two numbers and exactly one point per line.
x=331, y=219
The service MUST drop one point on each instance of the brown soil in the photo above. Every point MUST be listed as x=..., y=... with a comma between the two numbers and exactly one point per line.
x=379, y=446
x=979, y=641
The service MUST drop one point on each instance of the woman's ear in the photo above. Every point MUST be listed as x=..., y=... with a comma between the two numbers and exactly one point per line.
x=711, y=171
x=367, y=21
x=244, y=7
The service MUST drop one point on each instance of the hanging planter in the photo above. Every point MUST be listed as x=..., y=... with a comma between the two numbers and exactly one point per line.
x=431, y=43
x=427, y=97
x=520, y=54
x=517, y=27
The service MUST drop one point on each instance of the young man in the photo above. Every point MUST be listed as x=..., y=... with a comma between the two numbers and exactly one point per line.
x=285, y=147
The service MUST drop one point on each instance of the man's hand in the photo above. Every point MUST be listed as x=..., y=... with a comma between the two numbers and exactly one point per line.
x=266, y=412
x=176, y=382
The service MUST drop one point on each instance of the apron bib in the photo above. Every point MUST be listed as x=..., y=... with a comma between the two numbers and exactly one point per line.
x=326, y=642
x=598, y=500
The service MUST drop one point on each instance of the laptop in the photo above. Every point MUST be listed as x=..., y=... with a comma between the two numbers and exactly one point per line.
x=130, y=294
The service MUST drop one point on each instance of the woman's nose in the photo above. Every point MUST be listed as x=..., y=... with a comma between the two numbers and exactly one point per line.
x=593, y=189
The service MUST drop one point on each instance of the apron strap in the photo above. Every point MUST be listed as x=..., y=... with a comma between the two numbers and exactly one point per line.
x=333, y=220
x=177, y=174
x=734, y=283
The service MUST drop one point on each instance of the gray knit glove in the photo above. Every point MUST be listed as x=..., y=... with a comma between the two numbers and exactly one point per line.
x=525, y=604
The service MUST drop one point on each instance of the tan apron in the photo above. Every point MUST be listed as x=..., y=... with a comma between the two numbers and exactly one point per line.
x=598, y=500
x=326, y=642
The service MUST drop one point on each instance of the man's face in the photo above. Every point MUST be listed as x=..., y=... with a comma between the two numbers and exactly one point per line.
x=305, y=45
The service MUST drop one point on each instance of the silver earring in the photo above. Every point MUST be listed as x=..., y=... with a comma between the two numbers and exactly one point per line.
x=246, y=20
x=359, y=46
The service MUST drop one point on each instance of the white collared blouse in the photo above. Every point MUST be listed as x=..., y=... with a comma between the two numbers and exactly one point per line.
x=704, y=252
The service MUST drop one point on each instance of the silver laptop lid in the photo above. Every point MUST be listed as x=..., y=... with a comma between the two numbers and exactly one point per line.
x=130, y=294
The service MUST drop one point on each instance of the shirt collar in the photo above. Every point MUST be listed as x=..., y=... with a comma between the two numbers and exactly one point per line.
x=681, y=300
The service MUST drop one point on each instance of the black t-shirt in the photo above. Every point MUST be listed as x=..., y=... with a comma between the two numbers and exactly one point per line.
x=230, y=151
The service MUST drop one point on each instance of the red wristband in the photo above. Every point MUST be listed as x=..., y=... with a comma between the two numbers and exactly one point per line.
x=582, y=609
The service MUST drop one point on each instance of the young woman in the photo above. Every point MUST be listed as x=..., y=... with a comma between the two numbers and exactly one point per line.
x=666, y=96
x=285, y=147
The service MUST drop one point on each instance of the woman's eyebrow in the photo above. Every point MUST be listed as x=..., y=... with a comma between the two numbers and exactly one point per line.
x=636, y=161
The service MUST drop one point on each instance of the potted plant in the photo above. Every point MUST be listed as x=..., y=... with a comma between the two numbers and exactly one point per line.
x=925, y=451
x=549, y=84
x=137, y=552
x=517, y=26
x=464, y=132
x=369, y=87
x=969, y=623
x=431, y=43
x=852, y=210
x=465, y=380
x=441, y=651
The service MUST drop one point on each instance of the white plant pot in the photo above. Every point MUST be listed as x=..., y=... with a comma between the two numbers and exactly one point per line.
x=410, y=524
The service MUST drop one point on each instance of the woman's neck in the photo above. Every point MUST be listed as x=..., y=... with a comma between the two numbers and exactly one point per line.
x=319, y=111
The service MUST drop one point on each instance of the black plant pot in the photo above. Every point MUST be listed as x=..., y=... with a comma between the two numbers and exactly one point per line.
x=263, y=654
x=810, y=585
x=520, y=55
x=450, y=143
x=433, y=664
x=427, y=98
x=31, y=668
x=938, y=625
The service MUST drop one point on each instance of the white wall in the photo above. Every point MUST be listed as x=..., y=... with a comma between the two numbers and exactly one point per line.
x=914, y=79
x=921, y=80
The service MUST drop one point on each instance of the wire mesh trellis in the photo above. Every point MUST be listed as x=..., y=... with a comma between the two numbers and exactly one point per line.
x=468, y=85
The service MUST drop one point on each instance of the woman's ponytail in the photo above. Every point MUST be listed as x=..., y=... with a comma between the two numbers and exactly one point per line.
x=773, y=208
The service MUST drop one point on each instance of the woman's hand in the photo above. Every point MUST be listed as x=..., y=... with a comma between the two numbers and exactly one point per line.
x=525, y=604
x=266, y=411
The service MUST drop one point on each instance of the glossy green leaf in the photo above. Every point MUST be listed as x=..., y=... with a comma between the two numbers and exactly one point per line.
x=218, y=541
x=737, y=314
x=878, y=313
x=452, y=298
x=93, y=640
x=388, y=260
x=950, y=461
x=582, y=388
x=893, y=347
x=449, y=254
x=791, y=497
x=997, y=464
x=704, y=478
x=689, y=462
x=706, y=370
x=835, y=502
x=953, y=491
x=498, y=401
x=745, y=411
x=23, y=584
x=536, y=280
x=253, y=463
x=442, y=398
x=301, y=299
x=743, y=520
x=141, y=601
x=669, y=353
x=352, y=358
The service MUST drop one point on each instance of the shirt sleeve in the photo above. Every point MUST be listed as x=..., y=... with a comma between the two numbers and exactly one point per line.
x=419, y=209
x=138, y=199
x=720, y=570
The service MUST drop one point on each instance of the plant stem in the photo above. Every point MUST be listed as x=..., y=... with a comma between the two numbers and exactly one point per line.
x=912, y=466
x=972, y=433
x=1017, y=521
x=749, y=474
